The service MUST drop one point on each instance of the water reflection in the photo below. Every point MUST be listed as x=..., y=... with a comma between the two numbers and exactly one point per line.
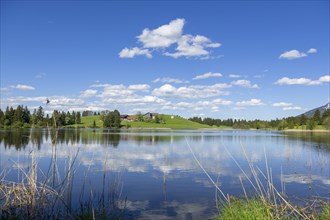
x=20, y=138
x=161, y=179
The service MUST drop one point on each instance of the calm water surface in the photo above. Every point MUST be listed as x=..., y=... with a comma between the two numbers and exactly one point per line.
x=154, y=173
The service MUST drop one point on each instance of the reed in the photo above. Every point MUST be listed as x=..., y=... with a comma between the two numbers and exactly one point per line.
x=267, y=202
x=50, y=195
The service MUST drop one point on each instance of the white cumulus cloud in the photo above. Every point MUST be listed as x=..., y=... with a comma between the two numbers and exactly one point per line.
x=312, y=50
x=139, y=87
x=207, y=75
x=191, y=92
x=165, y=36
x=325, y=78
x=292, y=54
x=88, y=93
x=303, y=81
x=130, y=53
x=189, y=46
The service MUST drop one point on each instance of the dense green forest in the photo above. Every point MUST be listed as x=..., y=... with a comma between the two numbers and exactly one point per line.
x=298, y=122
x=21, y=117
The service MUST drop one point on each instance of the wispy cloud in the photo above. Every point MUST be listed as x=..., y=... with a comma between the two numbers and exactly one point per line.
x=286, y=106
x=245, y=84
x=281, y=104
x=40, y=75
x=303, y=81
x=292, y=108
x=88, y=93
x=22, y=87
x=251, y=102
x=169, y=80
x=212, y=105
x=139, y=87
x=234, y=76
x=191, y=92
x=165, y=36
x=207, y=75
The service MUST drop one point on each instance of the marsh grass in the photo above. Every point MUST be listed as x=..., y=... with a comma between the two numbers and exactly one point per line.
x=50, y=196
x=266, y=201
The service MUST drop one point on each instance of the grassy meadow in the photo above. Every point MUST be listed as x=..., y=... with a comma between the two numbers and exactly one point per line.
x=171, y=122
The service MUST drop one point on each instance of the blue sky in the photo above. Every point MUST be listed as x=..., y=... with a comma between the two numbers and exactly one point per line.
x=220, y=59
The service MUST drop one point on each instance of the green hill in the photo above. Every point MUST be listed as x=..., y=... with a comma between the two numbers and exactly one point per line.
x=175, y=122
x=88, y=121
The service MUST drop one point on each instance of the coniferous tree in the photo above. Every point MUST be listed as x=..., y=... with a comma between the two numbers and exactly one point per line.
x=317, y=117
x=40, y=116
x=18, y=116
x=68, y=118
x=78, y=118
x=303, y=119
x=26, y=115
x=116, y=119
x=311, y=124
x=2, y=118
x=9, y=116
x=325, y=115
x=34, y=117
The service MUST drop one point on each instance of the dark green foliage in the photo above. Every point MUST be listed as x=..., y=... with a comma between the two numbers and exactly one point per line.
x=2, y=118
x=317, y=117
x=139, y=117
x=325, y=213
x=280, y=124
x=303, y=119
x=78, y=118
x=18, y=117
x=311, y=124
x=111, y=119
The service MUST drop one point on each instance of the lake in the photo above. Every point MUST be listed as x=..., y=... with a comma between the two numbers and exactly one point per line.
x=153, y=174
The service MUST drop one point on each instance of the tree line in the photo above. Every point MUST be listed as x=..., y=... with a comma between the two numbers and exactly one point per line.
x=21, y=117
x=309, y=123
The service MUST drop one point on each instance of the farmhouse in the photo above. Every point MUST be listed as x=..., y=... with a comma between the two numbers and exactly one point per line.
x=150, y=115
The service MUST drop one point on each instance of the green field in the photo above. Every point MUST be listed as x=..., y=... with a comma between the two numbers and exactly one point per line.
x=176, y=122
x=87, y=121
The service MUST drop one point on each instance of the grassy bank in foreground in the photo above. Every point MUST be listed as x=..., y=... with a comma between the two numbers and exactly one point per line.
x=242, y=209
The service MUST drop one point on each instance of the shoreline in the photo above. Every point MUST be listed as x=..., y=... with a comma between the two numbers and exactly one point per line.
x=307, y=131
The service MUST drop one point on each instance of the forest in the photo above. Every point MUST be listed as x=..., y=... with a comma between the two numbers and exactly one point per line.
x=298, y=122
x=21, y=117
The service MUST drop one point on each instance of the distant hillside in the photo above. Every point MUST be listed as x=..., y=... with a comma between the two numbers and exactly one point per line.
x=175, y=122
x=322, y=110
